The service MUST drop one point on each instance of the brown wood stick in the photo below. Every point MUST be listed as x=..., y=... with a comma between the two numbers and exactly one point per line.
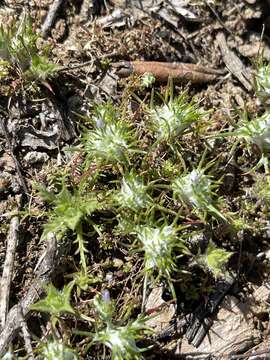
x=162, y=71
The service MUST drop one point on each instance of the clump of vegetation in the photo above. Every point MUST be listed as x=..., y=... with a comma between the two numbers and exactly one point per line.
x=124, y=202
x=121, y=340
x=146, y=209
x=18, y=47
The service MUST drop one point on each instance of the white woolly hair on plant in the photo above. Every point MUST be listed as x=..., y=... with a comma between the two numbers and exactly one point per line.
x=175, y=117
x=121, y=340
x=159, y=245
x=133, y=193
x=262, y=78
x=193, y=189
x=110, y=143
x=56, y=350
x=197, y=189
x=256, y=131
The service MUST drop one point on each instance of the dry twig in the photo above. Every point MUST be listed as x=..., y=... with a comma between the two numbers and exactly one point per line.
x=27, y=339
x=46, y=268
x=178, y=72
x=50, y=18
x=12, y=241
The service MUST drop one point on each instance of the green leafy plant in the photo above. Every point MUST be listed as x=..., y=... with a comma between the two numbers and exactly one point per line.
x=121, y=340
x=56, y=303
x=69, y=210
x=41, y=68
x=215, y=259
x=147, y=80
x=18, y=46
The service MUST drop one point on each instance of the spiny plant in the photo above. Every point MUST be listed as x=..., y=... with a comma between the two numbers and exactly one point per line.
x=197, y=189
x=55, y=349
x=111, y=140
x=256, y=132
x=262, y=80
x=133, y=194
x=121, y=340
x=174, y=118
x=18, y=46
x=68, y=212
x=162, y=245
x=103, y=114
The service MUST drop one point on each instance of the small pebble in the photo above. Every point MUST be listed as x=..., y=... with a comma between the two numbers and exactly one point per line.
x=34, y=157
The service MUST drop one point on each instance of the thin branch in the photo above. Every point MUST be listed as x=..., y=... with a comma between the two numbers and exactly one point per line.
x=88, y=62
x=44, y=273
x=50, y=18
x=12, y=241
x=27, y=339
